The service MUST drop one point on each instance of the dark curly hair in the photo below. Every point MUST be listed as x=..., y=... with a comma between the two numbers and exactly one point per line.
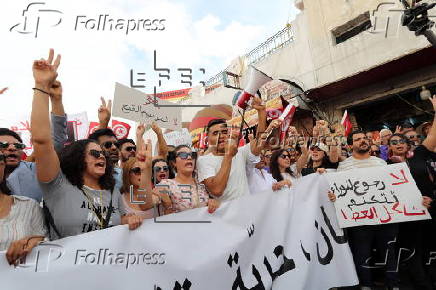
x=73, y=165
x=274, y=165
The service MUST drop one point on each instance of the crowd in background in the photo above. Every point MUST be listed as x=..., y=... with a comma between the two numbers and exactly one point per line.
x=66, y=190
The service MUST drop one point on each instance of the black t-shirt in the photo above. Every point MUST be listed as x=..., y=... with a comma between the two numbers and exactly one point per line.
x=423, y=168
x=325, y=164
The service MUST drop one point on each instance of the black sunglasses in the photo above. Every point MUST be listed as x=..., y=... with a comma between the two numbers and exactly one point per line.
x=135, y=170
x=109, y=144
x=185, y=155
x=18, y=146
x=96, y=153
x=396, y=142
x=284, y=156
x=131, y=148
x=158, y=168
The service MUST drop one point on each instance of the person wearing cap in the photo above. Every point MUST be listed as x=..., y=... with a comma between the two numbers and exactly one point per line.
x=320, y=156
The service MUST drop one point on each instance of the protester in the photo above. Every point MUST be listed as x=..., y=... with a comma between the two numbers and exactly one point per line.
x=107, y=140
x=21, y=175
x=385, y=134
x=414, y=138
x=280, y=168
x=361, y=238
x=138, y=197
x=224, y=170
x=259, y=177
x=320, y=156
x=127, y=149
x=184, y=191
x=161, y=171
x=78, y=188
x=21, y=222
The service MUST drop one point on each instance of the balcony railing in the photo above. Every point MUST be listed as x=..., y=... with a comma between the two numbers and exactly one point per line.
x=271, y=45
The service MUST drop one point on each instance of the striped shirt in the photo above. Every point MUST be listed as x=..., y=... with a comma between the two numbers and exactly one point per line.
x=24, y=219
x=353, y=163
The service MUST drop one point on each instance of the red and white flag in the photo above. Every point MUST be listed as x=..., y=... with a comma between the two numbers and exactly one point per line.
x=93, y=126
x=346, y=123
x=286, y=118
x=120, y=129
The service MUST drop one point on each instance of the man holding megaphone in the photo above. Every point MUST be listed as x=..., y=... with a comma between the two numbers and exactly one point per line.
x=256, y=79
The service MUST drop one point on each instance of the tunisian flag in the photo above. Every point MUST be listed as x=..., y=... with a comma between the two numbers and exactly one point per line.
x=120, y=129
x=346, y=123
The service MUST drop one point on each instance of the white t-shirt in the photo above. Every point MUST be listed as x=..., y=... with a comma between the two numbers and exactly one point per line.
x=352, y=163
x=259, y=180
x=237, y=185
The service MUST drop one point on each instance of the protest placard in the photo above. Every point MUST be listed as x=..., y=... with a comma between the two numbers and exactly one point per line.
x=177, y=138
x=376, y=195
x=134, y=105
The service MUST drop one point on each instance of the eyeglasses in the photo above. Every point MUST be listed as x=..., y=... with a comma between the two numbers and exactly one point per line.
x=108, y=144
x=413, y=136
x=18, y=146
x=130, y=148
x=267, y=156
x=291, y=150
x=158, y=168
x=396, y=142
x=284, y=156
x=135, y=170
x=96, y=153
x=185, y=155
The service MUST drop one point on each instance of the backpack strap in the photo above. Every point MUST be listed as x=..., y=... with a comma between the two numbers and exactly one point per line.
x=49, y=221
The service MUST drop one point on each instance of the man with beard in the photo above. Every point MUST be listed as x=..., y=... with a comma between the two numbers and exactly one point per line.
x=107, y=139
x=127, y=149
x=362, y=238
x=21, y=175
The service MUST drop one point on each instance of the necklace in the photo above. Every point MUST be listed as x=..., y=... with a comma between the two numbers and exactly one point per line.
x=94, y=210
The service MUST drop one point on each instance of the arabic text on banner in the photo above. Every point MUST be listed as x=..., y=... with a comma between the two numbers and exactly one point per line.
x=376, y=195
x=268, y=240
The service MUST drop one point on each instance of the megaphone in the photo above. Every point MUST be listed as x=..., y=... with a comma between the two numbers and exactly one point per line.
x=256, y=79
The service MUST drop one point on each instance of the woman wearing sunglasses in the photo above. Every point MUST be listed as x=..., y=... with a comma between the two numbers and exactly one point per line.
x=21, y=222
x=281, y=171
x=320, y=157
x=78, y=187
x=161, y=171
x=138, y=197
x=184, y=191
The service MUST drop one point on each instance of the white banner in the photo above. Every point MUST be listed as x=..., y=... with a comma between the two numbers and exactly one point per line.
x=177, y=138
x=281, y=240
x=134, y=105
x=376, y=195
x=81, y=124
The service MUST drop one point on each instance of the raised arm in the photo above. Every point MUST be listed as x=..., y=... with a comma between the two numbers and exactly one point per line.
x=304, y=157
x=144, y=156
x=104, y=113
x=261, y=126
x=58, y=117
x=217, y=184
x=47, y=162
x=430, y=141
x=162, y=144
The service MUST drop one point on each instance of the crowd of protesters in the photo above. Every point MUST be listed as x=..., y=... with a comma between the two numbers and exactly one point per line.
x=65, y=190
